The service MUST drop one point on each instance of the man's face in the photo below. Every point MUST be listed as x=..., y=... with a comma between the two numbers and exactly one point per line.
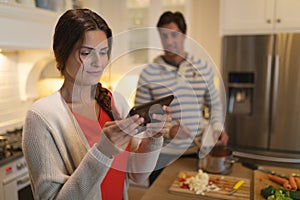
x=172, y=39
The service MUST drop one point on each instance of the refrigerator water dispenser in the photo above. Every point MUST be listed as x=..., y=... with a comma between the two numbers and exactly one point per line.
x=240, y=89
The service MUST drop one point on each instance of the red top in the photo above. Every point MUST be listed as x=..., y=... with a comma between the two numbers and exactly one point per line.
x=112, y=186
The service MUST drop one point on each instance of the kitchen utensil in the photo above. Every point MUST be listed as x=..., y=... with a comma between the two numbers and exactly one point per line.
x=262, y=169
x=207, y=140
x=219, y=160
x=236, y=186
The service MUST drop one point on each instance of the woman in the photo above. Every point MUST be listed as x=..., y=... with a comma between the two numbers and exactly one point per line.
x=74, y=147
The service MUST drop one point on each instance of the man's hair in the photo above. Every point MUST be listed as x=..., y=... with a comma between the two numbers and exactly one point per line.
x=175, y=17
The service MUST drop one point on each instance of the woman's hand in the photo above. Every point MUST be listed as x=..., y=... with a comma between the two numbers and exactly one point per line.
x=116, y=135
x=158, y=129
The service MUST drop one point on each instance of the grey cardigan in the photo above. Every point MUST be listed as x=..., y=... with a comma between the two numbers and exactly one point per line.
x=61, y=163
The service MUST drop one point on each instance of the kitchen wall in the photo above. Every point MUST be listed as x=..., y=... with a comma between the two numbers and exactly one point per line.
x=12, y=109
x=204, y=26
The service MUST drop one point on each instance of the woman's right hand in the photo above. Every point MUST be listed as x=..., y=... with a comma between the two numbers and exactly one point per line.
x=116, y=135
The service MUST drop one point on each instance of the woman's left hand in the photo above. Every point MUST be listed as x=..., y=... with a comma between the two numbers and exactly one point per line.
x=158, y=129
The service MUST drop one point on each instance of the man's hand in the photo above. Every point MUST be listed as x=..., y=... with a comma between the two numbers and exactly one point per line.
x=221, y=138
x=179, y=131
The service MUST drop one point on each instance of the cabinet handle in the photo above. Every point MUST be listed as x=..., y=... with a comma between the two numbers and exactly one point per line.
x=23, y=181
x=278, y=20
x=268, y=21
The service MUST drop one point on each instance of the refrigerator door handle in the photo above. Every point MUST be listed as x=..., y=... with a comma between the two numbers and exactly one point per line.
x=275, y=92
x=268, y=83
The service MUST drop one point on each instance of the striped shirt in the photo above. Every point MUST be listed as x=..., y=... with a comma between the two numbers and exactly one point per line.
x=192, y=84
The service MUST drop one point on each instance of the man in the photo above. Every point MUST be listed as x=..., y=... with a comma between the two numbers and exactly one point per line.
x=190, y=79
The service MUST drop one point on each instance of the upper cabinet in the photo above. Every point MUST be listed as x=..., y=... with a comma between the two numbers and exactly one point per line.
x=259, y=16
x=24, y=27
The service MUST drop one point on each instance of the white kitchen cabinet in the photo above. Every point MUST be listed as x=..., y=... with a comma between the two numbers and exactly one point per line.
x=259, y=16
x=287, y=15
x=26, y=27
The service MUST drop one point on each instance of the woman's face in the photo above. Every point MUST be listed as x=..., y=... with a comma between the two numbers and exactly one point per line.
x=88, y=60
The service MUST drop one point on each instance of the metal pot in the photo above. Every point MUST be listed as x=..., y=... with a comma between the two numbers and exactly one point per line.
x=219, y=161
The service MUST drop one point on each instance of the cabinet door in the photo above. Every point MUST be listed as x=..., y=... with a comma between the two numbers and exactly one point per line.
x=287, y=15
x=247, y=16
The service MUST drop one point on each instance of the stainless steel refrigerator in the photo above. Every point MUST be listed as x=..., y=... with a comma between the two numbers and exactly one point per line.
x=261, y=74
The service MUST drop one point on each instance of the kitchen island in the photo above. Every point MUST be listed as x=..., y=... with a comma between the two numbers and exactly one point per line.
x=160, y=188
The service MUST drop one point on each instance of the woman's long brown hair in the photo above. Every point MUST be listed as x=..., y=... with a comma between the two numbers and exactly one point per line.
x=104, y=100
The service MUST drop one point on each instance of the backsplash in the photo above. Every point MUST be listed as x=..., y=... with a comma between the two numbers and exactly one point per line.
x=19, y=75
x=12, y=109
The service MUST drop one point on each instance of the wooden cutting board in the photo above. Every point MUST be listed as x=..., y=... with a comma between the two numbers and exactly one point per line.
x=225, y=183
x=262, y=181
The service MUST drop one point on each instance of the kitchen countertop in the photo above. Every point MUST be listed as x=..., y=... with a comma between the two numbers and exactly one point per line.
x=160, y=188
